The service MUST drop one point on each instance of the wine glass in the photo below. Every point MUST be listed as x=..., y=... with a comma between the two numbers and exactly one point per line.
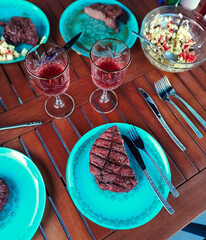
x=109, y=60
x=48, y=66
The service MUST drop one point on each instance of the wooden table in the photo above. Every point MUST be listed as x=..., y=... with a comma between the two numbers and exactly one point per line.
x=49, y=145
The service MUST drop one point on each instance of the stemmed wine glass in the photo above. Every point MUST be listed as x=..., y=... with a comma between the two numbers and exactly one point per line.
x=48, y=67
x=109, y=60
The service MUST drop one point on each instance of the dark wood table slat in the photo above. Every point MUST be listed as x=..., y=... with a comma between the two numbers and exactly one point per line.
x=199, y=75
x=21, y=85
x=55, y=187
x=52, y=143
x=7, y=93
x=38, y=235
x=195, y=88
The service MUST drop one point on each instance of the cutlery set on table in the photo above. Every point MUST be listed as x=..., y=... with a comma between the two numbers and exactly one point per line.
x=163, y=89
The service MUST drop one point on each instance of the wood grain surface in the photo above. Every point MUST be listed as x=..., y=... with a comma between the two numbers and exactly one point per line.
x=50, y=144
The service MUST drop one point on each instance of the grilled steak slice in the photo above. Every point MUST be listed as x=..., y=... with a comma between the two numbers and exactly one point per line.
x=109, y=163
x=112, y=12
x=107, y=13
x=4, y=194
x=21, y=30
x=96, y=11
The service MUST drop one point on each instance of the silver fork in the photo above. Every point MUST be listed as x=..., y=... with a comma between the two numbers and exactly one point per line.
x=164, y=96
x=170, y=90
x=140, y=144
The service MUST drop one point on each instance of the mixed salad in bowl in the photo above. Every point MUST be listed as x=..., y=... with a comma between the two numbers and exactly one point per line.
x=175, y=38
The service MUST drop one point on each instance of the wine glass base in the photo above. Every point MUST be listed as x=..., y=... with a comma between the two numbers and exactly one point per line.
x=62, y=110
x=101, y=105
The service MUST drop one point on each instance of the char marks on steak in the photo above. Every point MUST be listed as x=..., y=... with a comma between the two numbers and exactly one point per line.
x=21, y=30
x=107, y=13
x=109, y=163
x=4, y=194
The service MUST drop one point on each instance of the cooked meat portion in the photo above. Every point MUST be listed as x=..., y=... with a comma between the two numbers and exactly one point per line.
x=107, y=13
x=112, y=12
x=4, y=194
x=109, y=163
x=96, y=11
x=21, y=30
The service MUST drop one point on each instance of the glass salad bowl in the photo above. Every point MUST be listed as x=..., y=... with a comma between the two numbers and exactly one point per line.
x=161, y=25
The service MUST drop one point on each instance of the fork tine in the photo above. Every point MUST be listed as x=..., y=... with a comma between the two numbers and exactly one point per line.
x=135, y=131
x=131, y=134
x=161, y=86
x=167, y=82
x=158, y=87
x=163, y=83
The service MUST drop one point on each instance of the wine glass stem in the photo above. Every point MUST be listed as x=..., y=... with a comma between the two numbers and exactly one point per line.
x=104, y=97
x=58, y=102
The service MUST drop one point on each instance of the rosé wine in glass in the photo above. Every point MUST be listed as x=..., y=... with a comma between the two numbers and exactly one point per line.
x=53, y=84
x=111, y=79
x=48, y=66
x=109, y=60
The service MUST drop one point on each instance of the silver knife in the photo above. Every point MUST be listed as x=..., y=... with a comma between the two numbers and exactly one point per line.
x=67, y=46
x=154, y=108
x=21, y=125
x=135, y=137
x=140, y=161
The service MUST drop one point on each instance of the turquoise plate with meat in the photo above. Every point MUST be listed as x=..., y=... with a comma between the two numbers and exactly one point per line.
x=116, y=210
x=74, y=20
x=20, y=8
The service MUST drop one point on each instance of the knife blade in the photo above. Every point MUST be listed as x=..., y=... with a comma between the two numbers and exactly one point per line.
x=155, y=110
x=140, y=161
x=67, y=46
x=72, y=41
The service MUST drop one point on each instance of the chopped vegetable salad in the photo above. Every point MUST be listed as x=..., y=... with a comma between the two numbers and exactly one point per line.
x=171, y=37
x=8, y=52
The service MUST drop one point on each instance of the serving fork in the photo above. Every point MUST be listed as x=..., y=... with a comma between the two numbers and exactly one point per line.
x=165, y=97
x=170, y=90
x=140, y=144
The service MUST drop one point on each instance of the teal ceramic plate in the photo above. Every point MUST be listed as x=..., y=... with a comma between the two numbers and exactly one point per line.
x=23, y=212
x=116, y=210
x=74, y=20
x=20, y=8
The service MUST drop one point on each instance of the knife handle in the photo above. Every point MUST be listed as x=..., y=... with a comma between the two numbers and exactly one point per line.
x=159, y=195
x=169, y=184
x=197, y=132
x=174, y=138
x=192, y=110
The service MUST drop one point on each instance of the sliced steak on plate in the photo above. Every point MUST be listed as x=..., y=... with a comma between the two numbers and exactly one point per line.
x=21, y=30
x=109, y=163
x=110, y=14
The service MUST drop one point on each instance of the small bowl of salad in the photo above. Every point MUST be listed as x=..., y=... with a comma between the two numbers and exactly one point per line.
x=176, y=30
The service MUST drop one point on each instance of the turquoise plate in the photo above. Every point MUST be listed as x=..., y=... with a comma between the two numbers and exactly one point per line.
x=116, y=210
x=20, y=8
x=23, y=212
x=74, y=20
